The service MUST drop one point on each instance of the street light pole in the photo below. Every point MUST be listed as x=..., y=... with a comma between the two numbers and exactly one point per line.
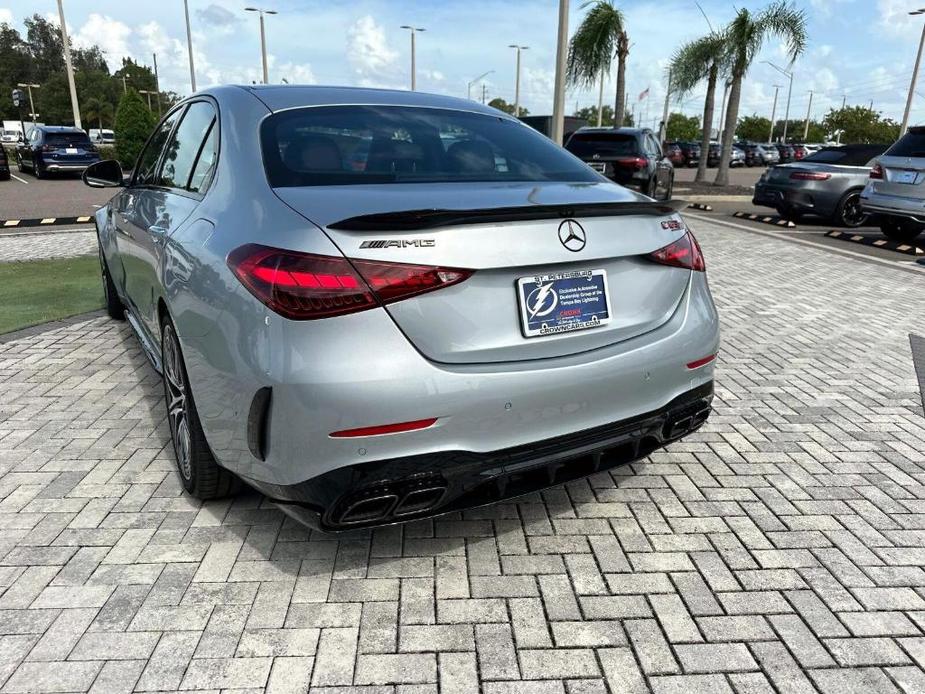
x=663, y=130
x=809, y=109
x=915, y=75
x=789, y=93
x=517, y=79
x=413, y=30
x=157, y=86
x=469, y=84
x=189, y=47
x=148, y=93
x=263, y=39
x=70, y=69
x=29, y=87
x=558, y=101
x=773, y=114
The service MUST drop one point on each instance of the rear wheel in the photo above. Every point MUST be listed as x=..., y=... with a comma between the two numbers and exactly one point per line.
x=19, y=163
x=900, y=230
x=849, y=212
x=114, y=307
x=201, y=475
x=37, y=170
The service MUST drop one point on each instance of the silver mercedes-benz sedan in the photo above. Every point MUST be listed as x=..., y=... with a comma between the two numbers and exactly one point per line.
x=375, y=306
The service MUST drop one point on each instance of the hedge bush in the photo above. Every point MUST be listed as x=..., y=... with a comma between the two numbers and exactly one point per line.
x=134, y=122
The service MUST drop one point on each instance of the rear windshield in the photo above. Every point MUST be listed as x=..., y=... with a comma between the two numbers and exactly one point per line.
x=912, y=144
x=604, y=144
x=66, y=139
x=340, y=145
x=845, y=157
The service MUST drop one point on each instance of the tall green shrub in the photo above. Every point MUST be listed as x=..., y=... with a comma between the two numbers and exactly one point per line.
x=134, y=122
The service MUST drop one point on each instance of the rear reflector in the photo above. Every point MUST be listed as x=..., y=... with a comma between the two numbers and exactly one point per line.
x=810, y=176
x=703, y=361
x=685, y=252
x=306, y=286
x=384, y=429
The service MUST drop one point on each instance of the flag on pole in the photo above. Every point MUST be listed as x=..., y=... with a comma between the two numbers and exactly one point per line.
x=644, y=94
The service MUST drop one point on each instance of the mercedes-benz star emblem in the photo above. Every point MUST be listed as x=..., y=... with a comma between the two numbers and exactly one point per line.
x=572, y=235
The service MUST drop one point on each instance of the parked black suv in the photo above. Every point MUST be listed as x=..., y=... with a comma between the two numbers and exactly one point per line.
x=4, y=166
x=55, y=148
x=628, y=156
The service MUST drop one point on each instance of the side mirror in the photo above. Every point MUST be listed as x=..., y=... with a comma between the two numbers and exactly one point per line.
x=104, y=174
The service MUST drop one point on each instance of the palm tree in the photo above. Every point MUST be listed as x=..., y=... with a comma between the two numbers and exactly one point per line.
x=98, y=109
x=694, y=61
x=599, y=38
x=745, y=36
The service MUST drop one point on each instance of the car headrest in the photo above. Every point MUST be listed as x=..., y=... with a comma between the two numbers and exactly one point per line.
x=471, y=156
x=312, y=152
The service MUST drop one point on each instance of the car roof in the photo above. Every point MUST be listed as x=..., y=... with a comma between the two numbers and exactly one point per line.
x=625, y=130
x=278, y=97
x=59, y=129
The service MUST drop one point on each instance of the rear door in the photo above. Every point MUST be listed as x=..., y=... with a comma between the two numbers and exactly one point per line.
x=904, y=167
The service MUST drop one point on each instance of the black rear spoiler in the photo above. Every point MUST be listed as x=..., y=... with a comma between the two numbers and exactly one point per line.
x=412, y=220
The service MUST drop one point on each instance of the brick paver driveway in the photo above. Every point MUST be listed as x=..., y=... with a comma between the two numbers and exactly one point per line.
x=779, y=549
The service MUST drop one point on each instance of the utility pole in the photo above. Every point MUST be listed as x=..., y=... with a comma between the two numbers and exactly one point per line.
x=915, y=75
x=30, y=87
x=263, y=39
x=722, y=114
x=157, y=86
x=773, y=114
x=413, y=30
x=844, y=99
x=475, y=81
x=786, y=73
x=189, y=47
x=124, y=85
x=484, y=90
x=148, y=93
x=809, y=108
x=871, y=107
x=558, y=100
x=517, y=79
x=663, y=130
x=70, y=68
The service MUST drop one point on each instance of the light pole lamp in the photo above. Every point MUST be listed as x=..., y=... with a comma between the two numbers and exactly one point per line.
x=558, y=96
x=413, y=30
x=517, y=79
x=263, y=39
x=148, y=93
x=915, y=75
x=773, y=113
x=30, y=87
x=189, y=46
x=789, y=92
x=471, y=82
x=69, y=67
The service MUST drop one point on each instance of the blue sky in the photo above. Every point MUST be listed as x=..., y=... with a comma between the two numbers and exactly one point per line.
x=863, y=49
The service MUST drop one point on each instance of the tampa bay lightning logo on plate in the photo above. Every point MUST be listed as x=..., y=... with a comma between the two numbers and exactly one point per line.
x=542, y=301
x=572, y=235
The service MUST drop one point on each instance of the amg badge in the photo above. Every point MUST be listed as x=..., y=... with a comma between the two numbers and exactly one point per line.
x=399, y=243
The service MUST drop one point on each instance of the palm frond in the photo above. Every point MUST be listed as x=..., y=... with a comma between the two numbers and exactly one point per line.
x=691, y=63
x=592, y=47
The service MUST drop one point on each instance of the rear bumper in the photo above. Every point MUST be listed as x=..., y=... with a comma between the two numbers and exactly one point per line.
x=59, y=166
x=806, y=200
x=893, y=205
x=420, y=486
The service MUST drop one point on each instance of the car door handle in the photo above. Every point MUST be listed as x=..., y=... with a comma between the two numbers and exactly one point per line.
x=159, y=233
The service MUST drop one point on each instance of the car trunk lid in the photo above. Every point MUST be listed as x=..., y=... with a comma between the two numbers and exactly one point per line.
x=510, y=235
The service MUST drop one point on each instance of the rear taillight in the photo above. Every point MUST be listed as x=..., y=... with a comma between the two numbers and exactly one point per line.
x=49, y=148
x=810, y=176
x=306, y=286
x=685, y=252
x=632, y=162
x=877, y=172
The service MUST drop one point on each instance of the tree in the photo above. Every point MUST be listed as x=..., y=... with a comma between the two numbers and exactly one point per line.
x=681, y=127
x=134, y=122
x=860, y=125
x=599, y=37
x=502, y=105
x=703, y=59
x=745, y=35
x=754, y=128
x=98, y=110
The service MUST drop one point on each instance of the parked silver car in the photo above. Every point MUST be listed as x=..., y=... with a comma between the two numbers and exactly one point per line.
x=896, y=188
x=827, y=183
x=375, y=306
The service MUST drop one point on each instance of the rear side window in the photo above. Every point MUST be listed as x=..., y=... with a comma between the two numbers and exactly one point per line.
x=912, y=144
x=146, y=168
x=828, y=156
x=341, y=145
x=206, y=161
x=604, y=144
x=183, y=149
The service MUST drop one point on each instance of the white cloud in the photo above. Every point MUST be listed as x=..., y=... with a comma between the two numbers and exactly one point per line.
x=895, y=19
x=369, y=53
x=217, y=16
x=109, y=34
x=6, y=16
x=296, y=73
